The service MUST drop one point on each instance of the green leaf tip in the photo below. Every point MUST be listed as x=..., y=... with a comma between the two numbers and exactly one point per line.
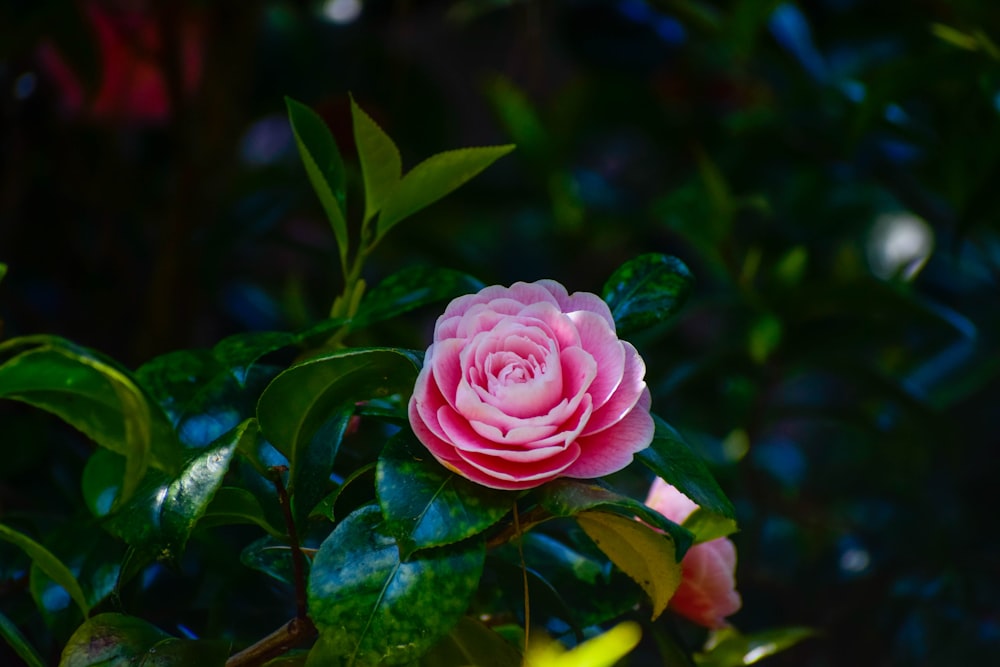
x=324, y=167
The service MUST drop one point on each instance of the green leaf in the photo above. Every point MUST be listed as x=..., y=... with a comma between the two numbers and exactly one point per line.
x=299, y=401
x=569, y=497
x=164, y=512
x=189, y=495
x=3, y=271
x=729, y=648
x=238, y=353
x=270, y=555
x=671, y=458
x=707, y=525
x=309, y=475
x=371, y=608
x=412, y=288
x=235, y=505
x=17, y=641
x=604, y=650
x=92, y=395
x=472, y=643
x=433, y=178
x=647, y=290
x=425, y=505
x=647, y=556
x=47, y=563
x=173, y=652
x=118, y=640
x=324, y=167
x=381, y=165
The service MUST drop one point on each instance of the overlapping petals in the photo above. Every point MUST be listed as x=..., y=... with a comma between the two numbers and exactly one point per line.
x=527, y=383
x=707, y=593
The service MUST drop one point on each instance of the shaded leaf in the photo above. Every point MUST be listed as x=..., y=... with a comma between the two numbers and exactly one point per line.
x=173, y=652
x=19, y=643
x=47, y=563
x=647, y=290
x=425, y=505
x=432, y=179
x=567, y=498
x=270, y=555
x=111, y=640
x=234, y=505
x=373, y=609
x=94, y=396
x=672, y=459
x=381, y=165
x=324, y=167
x=648, y=557
x=309, y=475
x=300, y=400
x=410, y=289
x=472, y=643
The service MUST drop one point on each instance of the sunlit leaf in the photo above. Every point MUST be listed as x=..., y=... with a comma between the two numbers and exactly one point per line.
x=604, y=650
x=324, y=167
x=568, y=497
x=647, y=290
x=433, y=178
x=381, y=165
x=371, y=608
x=671, y=458
x=165, y=510
x=707, y=525
x=426, y=505
x=729, y=648
x=47, y=563
x=648, y=557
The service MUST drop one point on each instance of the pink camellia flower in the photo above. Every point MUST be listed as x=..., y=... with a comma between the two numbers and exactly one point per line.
x=707, y=593
x=527, y=383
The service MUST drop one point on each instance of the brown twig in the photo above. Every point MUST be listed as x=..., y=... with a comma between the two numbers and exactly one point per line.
x=298, y=560
x=280, y=641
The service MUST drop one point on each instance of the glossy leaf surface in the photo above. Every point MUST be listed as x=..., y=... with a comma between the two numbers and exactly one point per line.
x=299, y=401
x=648, y=557
x=729, y=648
x=671, y=458
x=647, y=290
x=426, y=505
x=412, y=288
x=111, y=639
x=371, y=608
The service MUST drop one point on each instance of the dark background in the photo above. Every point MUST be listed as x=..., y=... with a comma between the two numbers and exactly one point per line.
x=829, y=170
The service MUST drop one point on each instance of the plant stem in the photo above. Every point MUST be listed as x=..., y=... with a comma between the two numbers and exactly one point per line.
x=298, y=560
x=285, y=638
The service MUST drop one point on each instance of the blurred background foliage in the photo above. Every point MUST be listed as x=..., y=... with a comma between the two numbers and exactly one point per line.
x=827, y=168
